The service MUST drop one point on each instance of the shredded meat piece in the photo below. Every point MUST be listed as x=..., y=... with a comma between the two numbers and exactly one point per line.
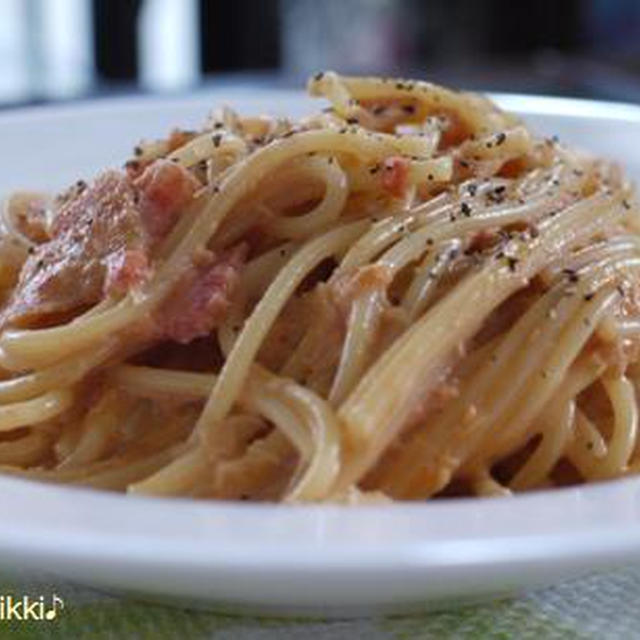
x=201, y=298
x=165, y=187
x=100, y=242
x=125, y=269
x=394, y=175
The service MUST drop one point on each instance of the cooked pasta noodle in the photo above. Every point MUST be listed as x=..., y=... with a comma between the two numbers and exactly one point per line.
x=408, y=295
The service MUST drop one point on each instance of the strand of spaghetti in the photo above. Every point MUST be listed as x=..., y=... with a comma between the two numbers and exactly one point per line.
x=628, y=329
x=483, y=484
x=30, y=449
x=423, y=217
x=484, y=329
x=139, y=460
x=497, y=432
x=98, y=430
x=514, y=143
x=255, y=472
x=28, y=348
x=523, y=410
x=324, y=466
x=35, y=411
x=37, y=348
x=320, y=452
x=206, y=146
x=248, y=176
x=271, y=404
x=66, y=373
x=235, y=370
x=326, y=212
x=122, y=477
x=358, y=344
x=255, y=278
x=625, y=428
x=185, y=468
x=379, y=237
x=422, y=288
x=175, y=477
x=69, y=434
x=231, y=326
x=112, y=477
x=259, y=272
x=556, y=422
x=429, y=98
x=239, y=430
x=509, y=362
x=622, y=245
x=197, y=464
x=379, y=406
x=152, y=382
x=587, y=446
x=14, y=208
x=415, y=244
x=292, y=185
x=297, y=365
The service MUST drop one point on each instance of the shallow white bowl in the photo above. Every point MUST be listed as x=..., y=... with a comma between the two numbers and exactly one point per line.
x=325, y=560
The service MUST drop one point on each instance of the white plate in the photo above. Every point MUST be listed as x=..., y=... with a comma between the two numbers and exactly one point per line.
x=315, y=559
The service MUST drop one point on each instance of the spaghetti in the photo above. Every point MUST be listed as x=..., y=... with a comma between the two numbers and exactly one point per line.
x=405, y=296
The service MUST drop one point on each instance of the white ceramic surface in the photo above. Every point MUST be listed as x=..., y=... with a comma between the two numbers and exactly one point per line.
x=326, y=560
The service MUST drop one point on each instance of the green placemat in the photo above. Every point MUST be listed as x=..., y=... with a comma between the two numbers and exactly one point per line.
x=601, y=606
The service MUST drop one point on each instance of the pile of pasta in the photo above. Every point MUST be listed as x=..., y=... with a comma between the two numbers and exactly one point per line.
x=431, y=301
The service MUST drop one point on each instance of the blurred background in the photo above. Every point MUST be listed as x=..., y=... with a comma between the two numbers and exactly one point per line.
x=74, y=49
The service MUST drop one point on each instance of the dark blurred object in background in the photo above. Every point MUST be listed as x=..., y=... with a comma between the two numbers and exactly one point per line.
x=239, y=35
x=53, y=49
x=115, y=22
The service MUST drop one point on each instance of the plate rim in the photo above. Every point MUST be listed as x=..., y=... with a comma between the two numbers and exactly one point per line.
x=524, y=103
x=572, y=508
